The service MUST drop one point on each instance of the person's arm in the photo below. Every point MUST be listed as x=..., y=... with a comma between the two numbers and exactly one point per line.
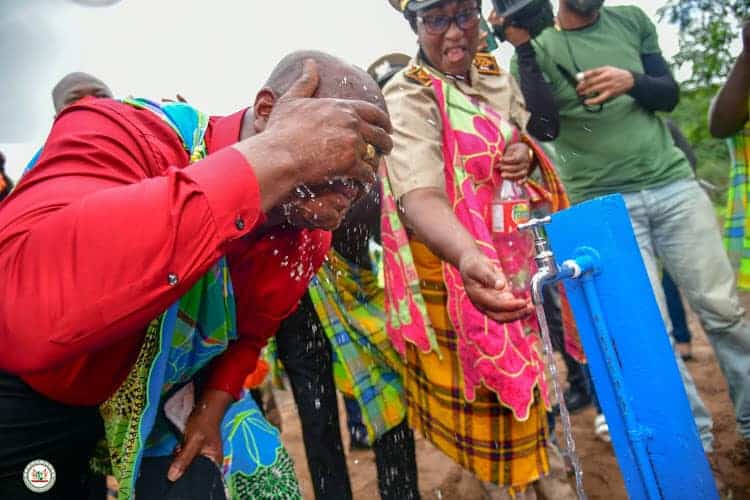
x=102, y=236
x=264, y=293
x=269, y=276
x=544, y=123
x=92, y=249
x=202, y=434
x=428, y=214
x=655, y=89
x=729, y=111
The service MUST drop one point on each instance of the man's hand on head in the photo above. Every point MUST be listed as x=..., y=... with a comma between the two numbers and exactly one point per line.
x=605, y=83
x=332, y=138
x=317, y=140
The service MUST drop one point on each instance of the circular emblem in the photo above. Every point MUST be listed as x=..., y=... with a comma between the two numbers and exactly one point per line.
x=39, y=476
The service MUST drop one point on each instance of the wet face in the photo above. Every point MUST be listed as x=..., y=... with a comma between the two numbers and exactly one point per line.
x=449, y=35
x=324, y=206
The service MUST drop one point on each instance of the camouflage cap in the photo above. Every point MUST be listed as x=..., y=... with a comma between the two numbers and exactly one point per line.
x=413, y=5
x=385, y=67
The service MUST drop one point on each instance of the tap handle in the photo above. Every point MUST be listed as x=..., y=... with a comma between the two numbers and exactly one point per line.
x=536, y=226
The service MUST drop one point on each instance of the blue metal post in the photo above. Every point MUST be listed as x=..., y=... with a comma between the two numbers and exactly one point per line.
x=631, y=360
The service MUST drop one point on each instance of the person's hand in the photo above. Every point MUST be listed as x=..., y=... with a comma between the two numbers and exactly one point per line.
x=606, y=82
x=328, y=138
x=516, y=162
x=202, y=434
x=514, y=34
x=488, y=290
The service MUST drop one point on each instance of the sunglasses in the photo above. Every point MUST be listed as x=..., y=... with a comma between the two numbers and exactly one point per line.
x=437, y=25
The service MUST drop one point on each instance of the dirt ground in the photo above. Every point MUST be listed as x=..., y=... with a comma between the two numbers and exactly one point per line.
x=441, y=479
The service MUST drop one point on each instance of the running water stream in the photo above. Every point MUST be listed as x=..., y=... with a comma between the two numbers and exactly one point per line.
x=570, y=445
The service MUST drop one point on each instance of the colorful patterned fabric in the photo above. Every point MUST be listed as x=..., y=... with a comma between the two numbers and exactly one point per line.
x=177, y=345
x=474, y=138
x=349, y=304
x=483, y=436
x=405, y=311
x=737, y=224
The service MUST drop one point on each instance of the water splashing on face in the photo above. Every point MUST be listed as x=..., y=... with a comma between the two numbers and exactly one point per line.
x=304, y=192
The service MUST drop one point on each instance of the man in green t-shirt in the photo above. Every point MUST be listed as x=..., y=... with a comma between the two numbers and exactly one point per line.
x=608, y=78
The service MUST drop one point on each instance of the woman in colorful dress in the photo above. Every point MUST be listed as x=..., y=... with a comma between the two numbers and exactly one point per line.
x=474, y=375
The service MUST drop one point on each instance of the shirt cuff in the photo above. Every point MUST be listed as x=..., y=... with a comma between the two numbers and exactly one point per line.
x=229, y=183
x=228, y=372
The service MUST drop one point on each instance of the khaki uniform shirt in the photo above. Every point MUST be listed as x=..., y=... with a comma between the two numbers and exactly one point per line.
x=417, y=157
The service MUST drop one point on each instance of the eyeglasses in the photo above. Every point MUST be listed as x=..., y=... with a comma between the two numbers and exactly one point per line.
x=437, y=25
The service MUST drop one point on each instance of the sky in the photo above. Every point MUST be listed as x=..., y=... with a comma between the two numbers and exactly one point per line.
x=217, y=54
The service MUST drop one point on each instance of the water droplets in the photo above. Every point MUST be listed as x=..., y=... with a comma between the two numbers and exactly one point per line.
x=303, y=191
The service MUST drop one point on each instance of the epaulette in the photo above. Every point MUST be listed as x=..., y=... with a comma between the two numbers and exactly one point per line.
x=418, y=74
x=486, y=64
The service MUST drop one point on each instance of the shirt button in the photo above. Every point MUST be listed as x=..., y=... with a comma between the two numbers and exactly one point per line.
x=172, y=279
x=239, y=223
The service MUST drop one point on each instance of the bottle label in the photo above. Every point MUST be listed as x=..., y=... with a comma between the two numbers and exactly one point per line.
x=507, y=215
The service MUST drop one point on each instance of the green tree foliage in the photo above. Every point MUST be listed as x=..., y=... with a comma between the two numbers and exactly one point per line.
x=691, y=116
x=707, y=30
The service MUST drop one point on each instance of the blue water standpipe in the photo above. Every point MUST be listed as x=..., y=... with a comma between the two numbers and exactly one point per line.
x=632, y=364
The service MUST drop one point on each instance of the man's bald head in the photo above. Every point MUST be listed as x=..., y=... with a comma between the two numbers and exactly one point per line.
x=328, y=203
x=338, y=78
x=75, y=86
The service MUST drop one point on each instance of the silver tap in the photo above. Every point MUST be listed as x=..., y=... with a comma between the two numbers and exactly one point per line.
x=548, y=271
x=545, y=259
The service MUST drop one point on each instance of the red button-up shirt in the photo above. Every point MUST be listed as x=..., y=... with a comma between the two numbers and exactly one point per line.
x=111, y=227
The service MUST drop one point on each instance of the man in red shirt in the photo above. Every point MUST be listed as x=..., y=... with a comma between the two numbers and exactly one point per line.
x=72, y=88
x=75, y=86
x=113, y=225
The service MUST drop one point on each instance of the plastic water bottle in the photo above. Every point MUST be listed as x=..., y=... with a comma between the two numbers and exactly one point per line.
x=511, y=207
